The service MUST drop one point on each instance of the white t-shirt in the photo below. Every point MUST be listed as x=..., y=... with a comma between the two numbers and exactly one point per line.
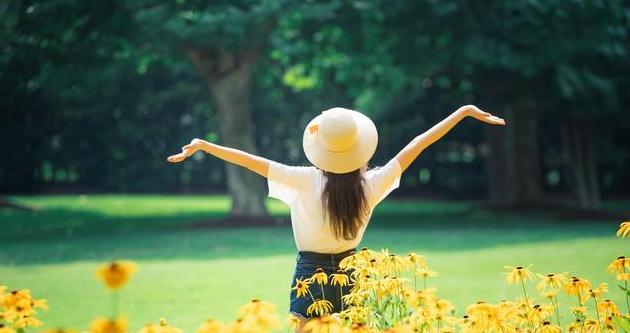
x=301, y=188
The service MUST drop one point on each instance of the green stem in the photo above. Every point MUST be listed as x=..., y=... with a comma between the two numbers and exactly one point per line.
x=531, y=326
x=599, y=321
x=341, y=295
x=115, y=301
x=625, y=282
x=555, y=305
x=425, y=282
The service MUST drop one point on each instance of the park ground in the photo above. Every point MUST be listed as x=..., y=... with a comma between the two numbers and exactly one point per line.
x=191, y=270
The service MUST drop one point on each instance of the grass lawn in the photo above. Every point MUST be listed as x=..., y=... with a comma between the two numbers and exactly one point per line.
x=189, y=274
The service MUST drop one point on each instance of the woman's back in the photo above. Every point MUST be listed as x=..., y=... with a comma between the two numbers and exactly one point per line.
x=301, y=189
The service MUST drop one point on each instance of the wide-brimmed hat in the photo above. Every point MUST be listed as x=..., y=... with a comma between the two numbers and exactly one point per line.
x=340, y=140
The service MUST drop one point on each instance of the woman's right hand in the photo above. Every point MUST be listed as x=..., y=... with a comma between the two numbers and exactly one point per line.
x=187, y=151
x=475, y=112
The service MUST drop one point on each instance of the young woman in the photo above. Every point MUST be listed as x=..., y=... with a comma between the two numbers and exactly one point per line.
x=331, y=202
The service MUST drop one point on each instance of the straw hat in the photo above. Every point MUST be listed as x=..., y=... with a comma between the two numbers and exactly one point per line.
x=340, y=140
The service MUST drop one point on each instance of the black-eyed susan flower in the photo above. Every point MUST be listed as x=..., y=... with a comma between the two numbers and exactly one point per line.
x=619, y=265
x=256, y=307
x=425, y=272
x=210, y=326
x=294, y=322
x=541, y=312
x=301, y=287
x=103, y=325
x=339, y=279
x=624, y=230
x=323, y=324
x=349, y=262
x=116, y=273
x=595, y=292
x=355, y=298
x=548, y=327
x=394, y=264
x=359, y=328
x=608, y=307
x=416, y=260
x=577, y=286
x=579, y=310
x=553, y=281
x=319, y=307
x=27, y=320
x=6, y=329
x=319, y=277
x=518, y=274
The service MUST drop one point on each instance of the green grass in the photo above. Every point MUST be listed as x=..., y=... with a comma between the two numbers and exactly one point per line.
x=189, y=274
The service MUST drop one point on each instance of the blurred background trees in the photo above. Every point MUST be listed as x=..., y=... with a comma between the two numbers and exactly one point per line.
x=97, y=94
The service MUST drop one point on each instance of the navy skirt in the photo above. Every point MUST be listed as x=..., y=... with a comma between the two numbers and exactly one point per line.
x=306, y=265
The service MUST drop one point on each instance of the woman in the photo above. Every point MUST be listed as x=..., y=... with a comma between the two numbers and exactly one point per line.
x=331, y=202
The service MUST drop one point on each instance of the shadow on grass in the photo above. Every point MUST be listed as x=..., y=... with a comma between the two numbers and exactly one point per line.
x=58, y=235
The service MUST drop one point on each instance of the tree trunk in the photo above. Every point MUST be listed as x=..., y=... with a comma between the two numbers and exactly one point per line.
x=582, y=178
x=229, y=77
x=513, y=162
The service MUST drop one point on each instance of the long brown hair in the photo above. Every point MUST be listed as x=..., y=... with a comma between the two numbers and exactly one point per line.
x=344, y=202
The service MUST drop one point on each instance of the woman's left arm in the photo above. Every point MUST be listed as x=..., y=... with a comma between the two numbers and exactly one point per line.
x=408, y=154
x=252, y=162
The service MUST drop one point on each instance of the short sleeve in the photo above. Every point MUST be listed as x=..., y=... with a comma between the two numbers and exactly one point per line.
x=382, y=180
x=286, y=181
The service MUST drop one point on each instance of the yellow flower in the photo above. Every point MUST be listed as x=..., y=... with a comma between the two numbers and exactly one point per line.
x=355, y=298
x=541, y=312
x=326, y=324
x=102, y=325
x=6, y=329
x=256, y=307
x=619, y=265
x=349, y=262
x=355, y=314
x=366, y=254
x=551, y=281
x=518, y=274
x=550, y=294
x=394, y=263
x=319, y=277
x=595, y=292
x=340, y=279
x=624, y=229
x=416, y=260
x=319, y=307
x=359, y=328
x=623, y=276
x=293, y=321
x=577, y=286
x=548, y=327
x=116, y=273
x=26, y=321
x=581, y=310
x=301, y=287
x=426, y=272
x=210, y=326
x=608, y=307
x=591, y=325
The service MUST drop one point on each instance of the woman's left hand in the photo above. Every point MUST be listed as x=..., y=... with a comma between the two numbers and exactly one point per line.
x=475, y=112
x=187, y=151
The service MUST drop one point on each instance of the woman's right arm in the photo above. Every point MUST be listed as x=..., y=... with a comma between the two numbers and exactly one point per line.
x=252, y=162
x=408, y=154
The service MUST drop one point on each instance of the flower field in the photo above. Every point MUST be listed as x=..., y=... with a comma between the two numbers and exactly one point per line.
x=187, y=289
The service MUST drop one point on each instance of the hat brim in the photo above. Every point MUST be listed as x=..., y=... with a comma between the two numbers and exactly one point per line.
x=346, y=161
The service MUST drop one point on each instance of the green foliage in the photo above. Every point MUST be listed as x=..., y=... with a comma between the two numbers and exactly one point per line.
x=97, y=94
